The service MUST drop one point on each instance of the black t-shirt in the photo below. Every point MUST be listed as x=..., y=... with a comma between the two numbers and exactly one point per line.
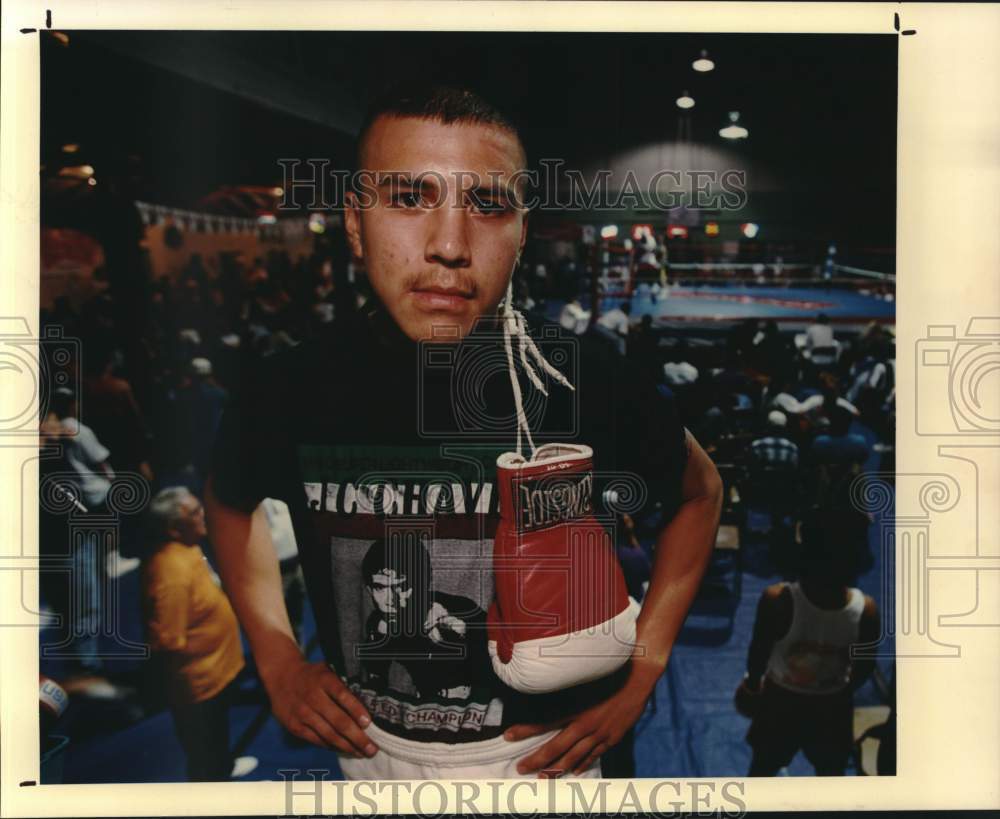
x=385, y=452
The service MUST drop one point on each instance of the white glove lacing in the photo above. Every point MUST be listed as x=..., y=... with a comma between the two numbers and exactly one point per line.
x=515, y=325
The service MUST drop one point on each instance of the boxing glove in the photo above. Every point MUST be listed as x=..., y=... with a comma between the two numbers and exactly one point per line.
x=561, y=615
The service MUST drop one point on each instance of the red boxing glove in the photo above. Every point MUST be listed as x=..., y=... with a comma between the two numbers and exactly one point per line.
x=561, y=615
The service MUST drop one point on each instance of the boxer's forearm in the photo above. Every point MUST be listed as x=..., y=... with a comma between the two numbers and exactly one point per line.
x=249, y=569
x=682, y=553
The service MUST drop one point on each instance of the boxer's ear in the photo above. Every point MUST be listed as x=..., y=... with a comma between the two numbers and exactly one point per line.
x=352, y=224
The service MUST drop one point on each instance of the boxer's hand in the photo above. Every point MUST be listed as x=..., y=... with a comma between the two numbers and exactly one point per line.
x=587, y=735
x=313, y=703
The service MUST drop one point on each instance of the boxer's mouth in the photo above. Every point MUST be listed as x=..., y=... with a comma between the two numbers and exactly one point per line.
x=442, y=298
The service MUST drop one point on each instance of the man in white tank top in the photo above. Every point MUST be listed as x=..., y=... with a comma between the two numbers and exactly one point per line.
x=800, y=676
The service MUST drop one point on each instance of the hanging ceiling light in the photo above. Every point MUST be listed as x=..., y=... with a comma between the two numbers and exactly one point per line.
x=733, y=130
x=703, y=64
x=685, y=100
x=77, y=171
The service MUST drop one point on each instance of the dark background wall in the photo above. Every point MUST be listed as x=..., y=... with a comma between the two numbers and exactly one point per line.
x=181, y=113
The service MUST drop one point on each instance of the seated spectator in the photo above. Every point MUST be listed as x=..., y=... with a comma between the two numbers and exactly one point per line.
x=193, y=632
x=820, y=333
x=836, y=457
x=614, y=325
x=773, y=479
x=773, y=449
x=814, y=409
x=800, y=680
x=838, y=446
x=574, y=318
x=678, y=373
x=821, y=348
x=771, y=354
x=818, y=405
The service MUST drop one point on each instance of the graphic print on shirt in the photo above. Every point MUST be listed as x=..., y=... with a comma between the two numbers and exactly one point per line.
x=408, y=533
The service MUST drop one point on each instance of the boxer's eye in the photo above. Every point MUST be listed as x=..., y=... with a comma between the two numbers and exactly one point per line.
x=406, y=199
x=488, y=204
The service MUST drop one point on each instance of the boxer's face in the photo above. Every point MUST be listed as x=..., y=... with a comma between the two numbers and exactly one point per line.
x=438, y=248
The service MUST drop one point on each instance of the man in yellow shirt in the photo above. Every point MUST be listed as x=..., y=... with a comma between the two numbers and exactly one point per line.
x=191, y=627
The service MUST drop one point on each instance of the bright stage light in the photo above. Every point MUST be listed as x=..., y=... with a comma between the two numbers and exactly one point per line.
x=703, y=64
x=685, y=100
x=733, y=130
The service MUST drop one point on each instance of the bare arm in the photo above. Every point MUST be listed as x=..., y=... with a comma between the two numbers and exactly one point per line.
x=682, y=554
x=249, y=571
x=307, y=698
x=774, y=618
x=868, y=632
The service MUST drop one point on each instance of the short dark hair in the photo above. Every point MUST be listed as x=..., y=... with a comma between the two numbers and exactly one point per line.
x=445, y=103
x=409, y=559
x=828, y=551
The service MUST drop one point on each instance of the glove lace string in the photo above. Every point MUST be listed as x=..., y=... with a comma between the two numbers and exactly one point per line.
x=514, y=325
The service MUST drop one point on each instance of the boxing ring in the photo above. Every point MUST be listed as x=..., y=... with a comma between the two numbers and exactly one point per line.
x=791, y=305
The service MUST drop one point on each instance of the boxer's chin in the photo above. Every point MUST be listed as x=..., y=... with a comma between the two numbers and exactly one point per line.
x=439, y=329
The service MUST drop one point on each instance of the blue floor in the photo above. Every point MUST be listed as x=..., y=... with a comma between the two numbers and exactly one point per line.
x=689, y=729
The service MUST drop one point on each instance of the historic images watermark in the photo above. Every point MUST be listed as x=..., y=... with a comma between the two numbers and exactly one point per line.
x=313, y=184
x=955, y=402
x=309, y=793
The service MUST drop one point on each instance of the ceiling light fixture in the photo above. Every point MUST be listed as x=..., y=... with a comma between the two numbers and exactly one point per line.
x=685, y=100
x=733, y=130
x=703, y=64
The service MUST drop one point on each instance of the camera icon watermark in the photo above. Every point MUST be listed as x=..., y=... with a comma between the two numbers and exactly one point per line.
x=464, y=390
x=966, y=369
x=46, y=363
